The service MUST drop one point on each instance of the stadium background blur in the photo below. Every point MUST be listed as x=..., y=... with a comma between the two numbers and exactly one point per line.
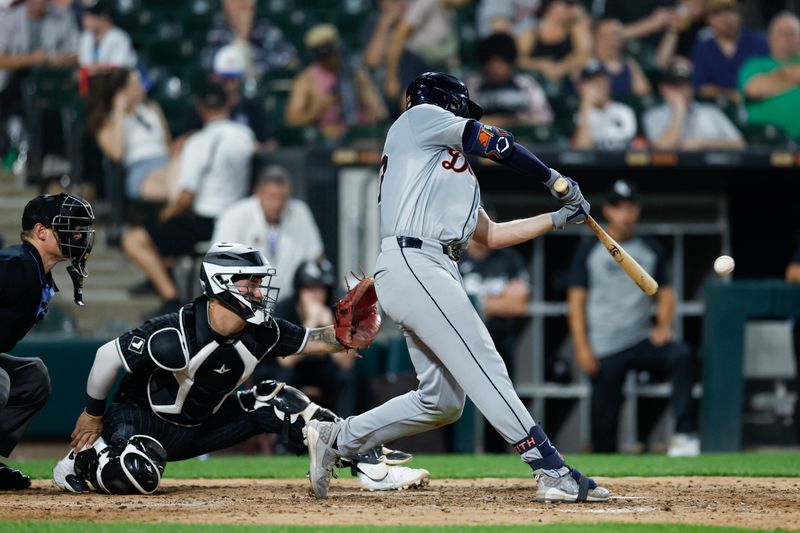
x=697, y=203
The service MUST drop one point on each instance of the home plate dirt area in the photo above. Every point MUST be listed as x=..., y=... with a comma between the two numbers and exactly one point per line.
x=745, y=502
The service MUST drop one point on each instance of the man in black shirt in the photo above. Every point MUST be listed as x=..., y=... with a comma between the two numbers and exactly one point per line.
x=54, y=229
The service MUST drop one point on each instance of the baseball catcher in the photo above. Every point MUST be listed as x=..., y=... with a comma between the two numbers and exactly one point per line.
x=178, y=398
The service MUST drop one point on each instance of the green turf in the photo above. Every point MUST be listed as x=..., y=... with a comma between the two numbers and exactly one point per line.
x=119, y=527
x=475, y=466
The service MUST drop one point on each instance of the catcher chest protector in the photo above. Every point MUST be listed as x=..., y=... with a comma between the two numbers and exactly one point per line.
x=133, y=467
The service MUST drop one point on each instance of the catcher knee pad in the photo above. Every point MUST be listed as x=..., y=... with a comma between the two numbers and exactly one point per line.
x=132, y=467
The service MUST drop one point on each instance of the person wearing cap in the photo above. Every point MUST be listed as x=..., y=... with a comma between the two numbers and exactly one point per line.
x=271, y=221
x=601, y=123
x=508, y=98
x=717, y=60
x=771, y=85
x=229, y=71
x=214, y=174
x=611, y=323
x=103, y=44
x=681, y=123
x=55, y=228
x=329, y=94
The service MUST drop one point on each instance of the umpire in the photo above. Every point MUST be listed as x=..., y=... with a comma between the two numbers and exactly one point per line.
x=54, y=229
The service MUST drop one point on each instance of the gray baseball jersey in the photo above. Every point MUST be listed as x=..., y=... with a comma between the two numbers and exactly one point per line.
x=428, y=189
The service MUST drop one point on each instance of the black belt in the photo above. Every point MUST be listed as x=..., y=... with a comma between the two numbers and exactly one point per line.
x=451, y=251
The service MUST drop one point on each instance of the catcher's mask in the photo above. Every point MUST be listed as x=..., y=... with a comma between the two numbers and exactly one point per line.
x=240, y=278
x=445, y=91
x=69, y=216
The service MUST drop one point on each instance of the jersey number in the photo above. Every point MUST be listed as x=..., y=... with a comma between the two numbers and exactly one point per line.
x=384, y=164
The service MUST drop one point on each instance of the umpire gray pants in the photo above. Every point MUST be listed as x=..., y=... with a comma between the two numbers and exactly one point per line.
x=450, y=347
x=24, y=389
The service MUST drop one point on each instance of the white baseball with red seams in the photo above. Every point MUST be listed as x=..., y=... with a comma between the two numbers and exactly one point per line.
x=724, y=265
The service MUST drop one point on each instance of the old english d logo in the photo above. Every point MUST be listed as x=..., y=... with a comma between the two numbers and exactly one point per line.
x=136, y=345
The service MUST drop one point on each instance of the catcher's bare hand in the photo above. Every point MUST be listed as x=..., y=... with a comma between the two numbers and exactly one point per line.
x=87, y=429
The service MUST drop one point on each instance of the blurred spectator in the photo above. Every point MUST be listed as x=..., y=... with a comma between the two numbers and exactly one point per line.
x=33, y=34
x=499, y=282
x=215, y=169
x=682, y=123
x=102, y=43
x=612, y=331
x=560, y=44
x=262, y=44
x=329, y=380
x=642, y=19
x=131, y=130
x=771, y=85
x=602, y=123
x=330, y=94
x=793, y=276
x=684, y=29
x=717, y=60
x=624, y=71
x=425, y=39
x=270, y=220
x=508, y=99
x=506, y=16
x=378, y=30
x=228, y=70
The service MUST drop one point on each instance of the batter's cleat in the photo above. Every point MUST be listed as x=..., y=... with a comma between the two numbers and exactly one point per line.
x=684, y=445
x=13, y=479
x=395, y=457
x=573, y=487
x=64, y=475
x=397, y=478
x=322, y=456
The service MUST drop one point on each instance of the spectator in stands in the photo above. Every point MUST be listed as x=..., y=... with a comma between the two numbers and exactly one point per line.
x=132, y=131
x=771, y=85
x=270, y=220
x=684, y=29
x=376, y=35
x=793, y=276
x=330, y=94
x=681, y=123
x=329, y=380
x=610, y=320
x=215, y=169
x=425, y=39
x=228, y=70
x=262, y=44
x=642, y=19
x=102, y=43
x=717, y=60
x=498, y=281
x=561, y=42
x=601, y=123
x=506, y=16
x=508, y=99
x=624, y=71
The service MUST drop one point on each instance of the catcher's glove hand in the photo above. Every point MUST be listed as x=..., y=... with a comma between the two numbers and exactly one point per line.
x=357, y=321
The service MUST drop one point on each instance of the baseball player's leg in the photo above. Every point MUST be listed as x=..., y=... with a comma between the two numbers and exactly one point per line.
x=606, y=401
x=27, y=391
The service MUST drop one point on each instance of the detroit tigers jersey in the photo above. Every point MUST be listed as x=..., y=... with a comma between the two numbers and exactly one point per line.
x=428, y=190
x=183, y=370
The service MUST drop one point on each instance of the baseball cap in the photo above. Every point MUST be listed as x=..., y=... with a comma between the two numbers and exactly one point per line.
x=622, y=190
x=716, y=6
x=98, y=7
x=229, y=62
x=593, y=68
x=678, y=72
x=322, y=39
x=212, y=95
x=42, y=209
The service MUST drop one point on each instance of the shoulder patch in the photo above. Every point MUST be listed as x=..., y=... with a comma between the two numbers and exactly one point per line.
x=167, y=349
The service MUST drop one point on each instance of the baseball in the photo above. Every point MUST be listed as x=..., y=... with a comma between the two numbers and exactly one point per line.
x=724, y=265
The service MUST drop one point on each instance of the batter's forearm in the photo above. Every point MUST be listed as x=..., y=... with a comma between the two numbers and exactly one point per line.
x=322, y=341
x=505, y=234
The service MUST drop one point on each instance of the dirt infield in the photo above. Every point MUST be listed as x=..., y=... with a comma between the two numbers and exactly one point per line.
x=744, y=502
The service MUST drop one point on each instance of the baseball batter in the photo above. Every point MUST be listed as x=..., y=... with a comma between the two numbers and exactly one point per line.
x=429, y=209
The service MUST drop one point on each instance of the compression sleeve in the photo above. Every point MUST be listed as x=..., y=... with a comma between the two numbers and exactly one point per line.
x=480, y=139
x=107, y=364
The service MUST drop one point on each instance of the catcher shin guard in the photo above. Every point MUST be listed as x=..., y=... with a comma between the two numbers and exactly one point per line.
x=132, y=467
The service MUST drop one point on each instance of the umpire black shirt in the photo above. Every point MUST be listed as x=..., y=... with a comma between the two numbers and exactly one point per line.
x=25, y=292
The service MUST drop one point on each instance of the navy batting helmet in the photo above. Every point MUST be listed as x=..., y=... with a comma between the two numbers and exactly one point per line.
x=445, y=91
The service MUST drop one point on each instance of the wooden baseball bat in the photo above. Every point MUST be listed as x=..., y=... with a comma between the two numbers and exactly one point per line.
x=627, y=263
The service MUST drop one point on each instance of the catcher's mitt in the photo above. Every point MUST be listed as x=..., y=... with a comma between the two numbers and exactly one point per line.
x=357, y=321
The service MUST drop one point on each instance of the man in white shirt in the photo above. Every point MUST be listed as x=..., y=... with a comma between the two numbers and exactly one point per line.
x=102, y=44
x=281, y=227
x=215, y=172
x=601, y=123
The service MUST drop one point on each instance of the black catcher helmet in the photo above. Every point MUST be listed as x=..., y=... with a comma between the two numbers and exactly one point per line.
x=445, y=91
x=224, y=265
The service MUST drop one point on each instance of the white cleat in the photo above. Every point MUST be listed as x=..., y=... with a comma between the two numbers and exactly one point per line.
x=322, y=457
x=397, y=478
x=568, y=489
x=684, y=445
x=64, y=475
